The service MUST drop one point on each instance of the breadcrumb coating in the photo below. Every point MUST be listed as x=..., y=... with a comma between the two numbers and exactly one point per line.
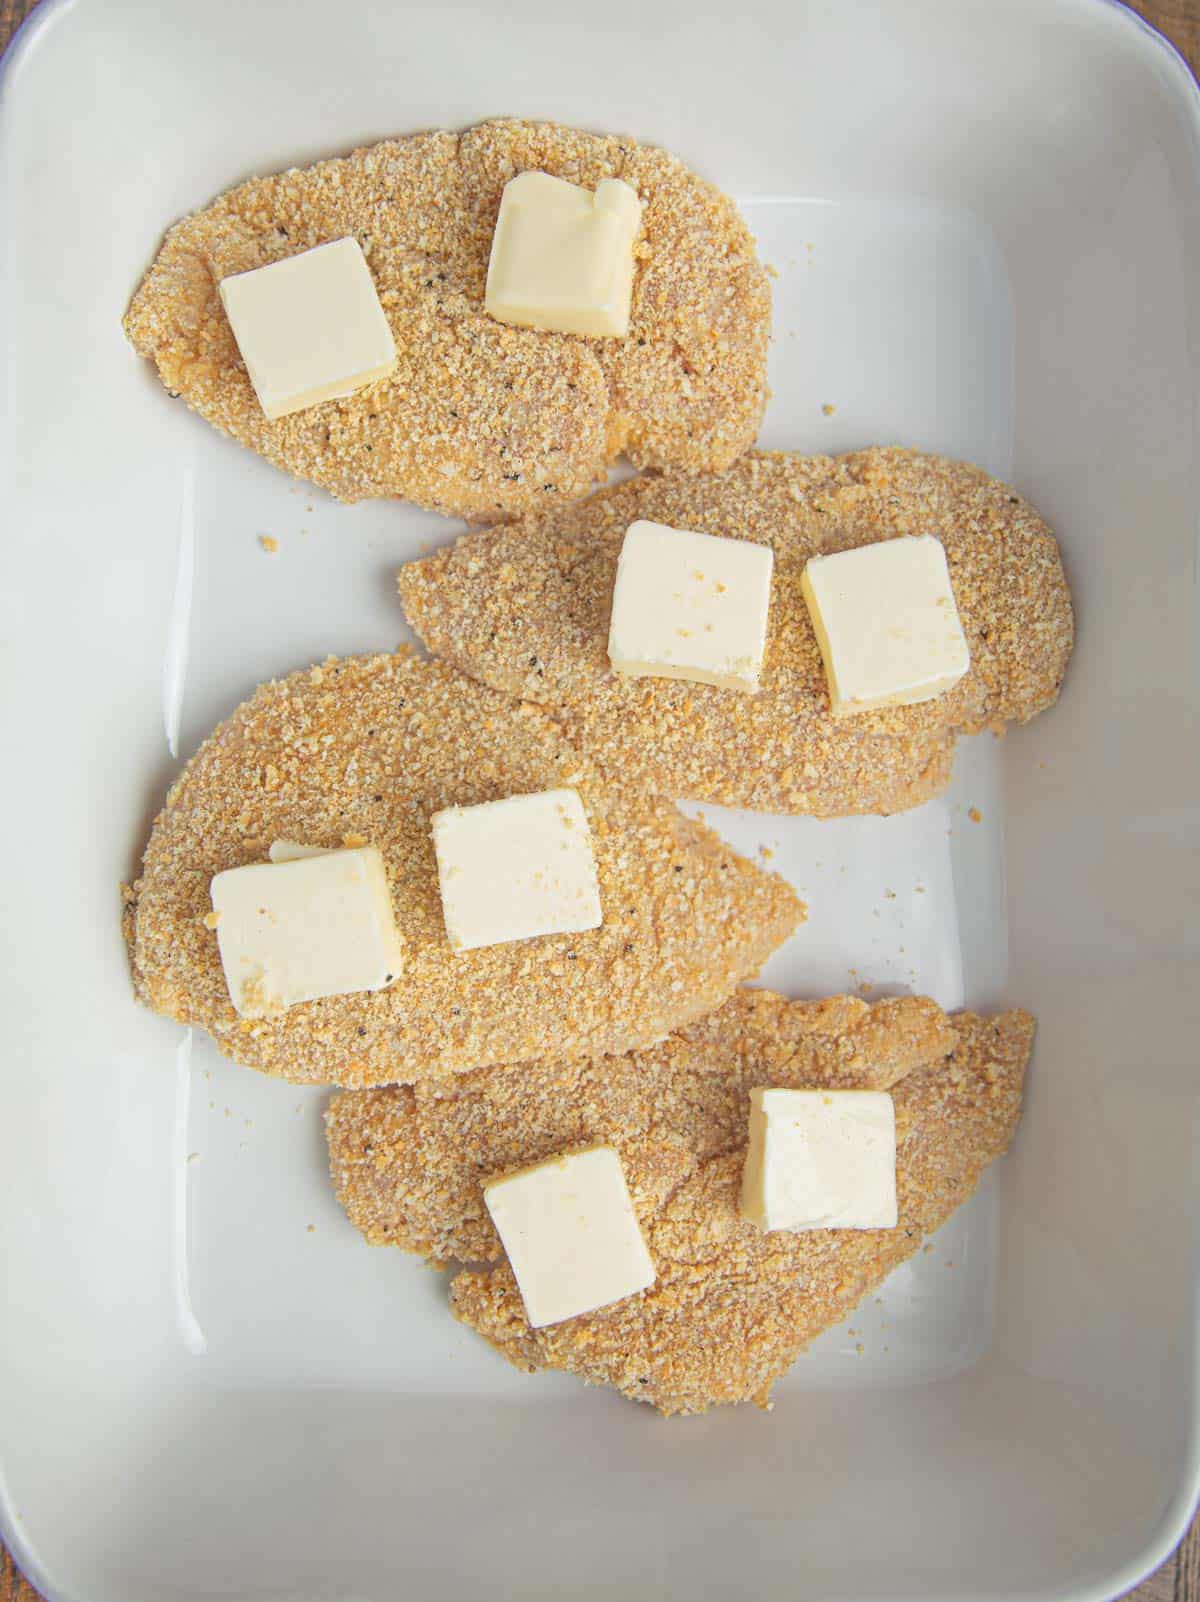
x=478, y=419
x=731, y=1307
x=526, y=608
x=367, y=749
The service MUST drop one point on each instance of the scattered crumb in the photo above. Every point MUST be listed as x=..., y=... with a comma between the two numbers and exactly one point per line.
x=926, y=1248
x=269, y=543
x=229, y=1112
x=771, y=272
x=919, y=888
x=975, y=815
x=889, y=895
x=829, y=408
x=211, y=920
x=859, y=1348
x=311, y=1230
x=765, y=852
x=193, y=1156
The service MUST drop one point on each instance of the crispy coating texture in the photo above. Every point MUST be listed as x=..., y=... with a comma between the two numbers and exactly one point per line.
x=479, y=419
x=732, y=1307
x=526, y=608
x=368, y=748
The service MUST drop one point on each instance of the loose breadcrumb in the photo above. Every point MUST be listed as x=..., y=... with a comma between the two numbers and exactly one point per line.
x=269, y=543
x=368, y=748
x=526, y=608
x=731, y=1307
x=478, y=418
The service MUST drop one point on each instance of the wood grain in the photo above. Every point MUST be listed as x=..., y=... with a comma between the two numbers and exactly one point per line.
x=1179, y=1578
x=12, y=14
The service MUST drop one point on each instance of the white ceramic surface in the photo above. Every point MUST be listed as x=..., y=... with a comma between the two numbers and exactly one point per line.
x=985, y=215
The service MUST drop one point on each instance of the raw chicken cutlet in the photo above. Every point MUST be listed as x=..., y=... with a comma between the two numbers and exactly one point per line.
x=526, y=608
x=479, y=418
x=731, y=1307
x=365, y=750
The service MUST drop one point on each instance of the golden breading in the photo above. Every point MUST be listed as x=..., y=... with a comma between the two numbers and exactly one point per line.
x=732, y=1307
x=368, y=748
x=526, y=608
x=478, y=419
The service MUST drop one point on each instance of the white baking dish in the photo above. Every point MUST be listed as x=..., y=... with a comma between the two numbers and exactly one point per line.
x=986, y=220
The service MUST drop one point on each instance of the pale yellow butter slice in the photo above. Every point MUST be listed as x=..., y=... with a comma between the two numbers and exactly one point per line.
x=293, y=851
x=821, y=1159
x=562, y=256
x=571, y=1234
x=516, y=868
x=690, y=606
x=887, y=623
x=310, y=328
x=301, y=929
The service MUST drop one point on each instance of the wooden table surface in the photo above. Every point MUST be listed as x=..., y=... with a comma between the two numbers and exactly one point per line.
x=1179, y=1578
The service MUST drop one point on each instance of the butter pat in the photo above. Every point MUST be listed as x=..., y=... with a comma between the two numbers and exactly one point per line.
x=690, y=606
x=513, y=869
x=887, y=624
x=821, y=1159
x=305, y=928
x=571, y=1235
x=293, y=851
x=309, y=328
x=562, y=257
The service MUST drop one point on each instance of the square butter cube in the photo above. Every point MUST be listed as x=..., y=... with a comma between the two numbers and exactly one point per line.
x=690, y=606
x=821, y=1159
x=562, y=257
x=887, y=623
x=310, y=327
x=513, y=869
x=571, y=1234
x=304, y=928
